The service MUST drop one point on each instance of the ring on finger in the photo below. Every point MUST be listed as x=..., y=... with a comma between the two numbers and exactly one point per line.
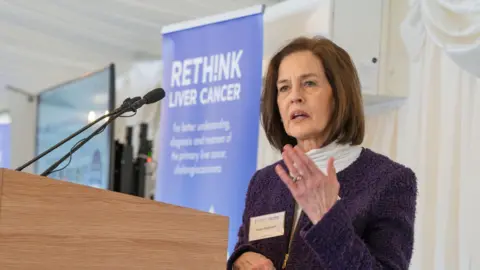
x=296, y=178
x=297, y=168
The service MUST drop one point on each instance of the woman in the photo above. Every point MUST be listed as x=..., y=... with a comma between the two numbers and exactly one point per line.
x=329, y=204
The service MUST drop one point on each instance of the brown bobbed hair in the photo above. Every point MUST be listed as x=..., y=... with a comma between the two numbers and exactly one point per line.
x=347, y=120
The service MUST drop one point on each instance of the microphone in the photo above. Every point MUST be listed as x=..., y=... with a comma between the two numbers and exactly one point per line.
x=151, y=97
x=126, y=104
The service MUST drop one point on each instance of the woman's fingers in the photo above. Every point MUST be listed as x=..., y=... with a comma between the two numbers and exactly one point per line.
x=299, y=165
x=286, y=179
x=264, y=265
x=331, y=168
x=311, y=168
x=289, y=162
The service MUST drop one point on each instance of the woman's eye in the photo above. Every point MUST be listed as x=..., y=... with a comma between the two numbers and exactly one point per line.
x=283, y=88
x=310, y=83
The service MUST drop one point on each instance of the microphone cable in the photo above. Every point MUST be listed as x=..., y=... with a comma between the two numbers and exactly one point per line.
x=70, y=154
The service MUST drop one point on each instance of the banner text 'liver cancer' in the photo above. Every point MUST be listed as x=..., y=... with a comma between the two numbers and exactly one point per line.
x=219, y=73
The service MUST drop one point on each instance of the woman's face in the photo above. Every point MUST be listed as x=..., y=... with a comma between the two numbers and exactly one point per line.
x=304, y=96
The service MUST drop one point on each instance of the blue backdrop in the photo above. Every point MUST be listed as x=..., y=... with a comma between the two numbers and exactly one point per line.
x=5, y=145
x=210, y=117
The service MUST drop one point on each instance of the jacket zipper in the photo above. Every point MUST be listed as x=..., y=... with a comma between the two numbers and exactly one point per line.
x=290, y=237
x=284, y=265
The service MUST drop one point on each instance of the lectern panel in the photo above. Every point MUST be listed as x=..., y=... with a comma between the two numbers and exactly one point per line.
x=51, y=224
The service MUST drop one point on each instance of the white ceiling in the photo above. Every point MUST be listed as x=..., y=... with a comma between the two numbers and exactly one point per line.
x=47, y=42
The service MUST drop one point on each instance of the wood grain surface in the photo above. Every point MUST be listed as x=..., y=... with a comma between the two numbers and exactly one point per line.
x=52, y=224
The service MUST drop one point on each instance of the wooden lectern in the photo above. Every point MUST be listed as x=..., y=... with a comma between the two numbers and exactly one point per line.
x=52, y=224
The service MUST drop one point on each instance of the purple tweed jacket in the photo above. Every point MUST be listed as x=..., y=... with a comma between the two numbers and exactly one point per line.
x=370, y=227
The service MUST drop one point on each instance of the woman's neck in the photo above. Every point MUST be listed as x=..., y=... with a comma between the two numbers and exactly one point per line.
x=310, y=144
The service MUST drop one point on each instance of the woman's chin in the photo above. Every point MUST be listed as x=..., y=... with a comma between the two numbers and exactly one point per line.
x=302, y=134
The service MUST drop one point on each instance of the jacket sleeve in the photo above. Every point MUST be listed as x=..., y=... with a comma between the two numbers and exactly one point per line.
x=389, y=243
x=242, y=244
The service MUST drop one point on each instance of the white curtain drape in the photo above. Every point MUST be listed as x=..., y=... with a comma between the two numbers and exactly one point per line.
x=453, y=25
x=437, y=132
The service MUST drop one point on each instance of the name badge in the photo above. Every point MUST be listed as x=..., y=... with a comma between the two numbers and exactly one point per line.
x=266, y=226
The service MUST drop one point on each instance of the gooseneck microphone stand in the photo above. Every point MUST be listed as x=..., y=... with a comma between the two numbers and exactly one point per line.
x=151, y=97
x=60, y=143
x=130, y=104
x=82, y=142
x=126, y=104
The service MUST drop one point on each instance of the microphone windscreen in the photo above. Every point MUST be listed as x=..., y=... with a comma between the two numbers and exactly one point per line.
x=154, y=96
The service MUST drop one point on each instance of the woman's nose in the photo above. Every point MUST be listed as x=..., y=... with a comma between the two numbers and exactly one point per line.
x=296, y=95
x=296, y=100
